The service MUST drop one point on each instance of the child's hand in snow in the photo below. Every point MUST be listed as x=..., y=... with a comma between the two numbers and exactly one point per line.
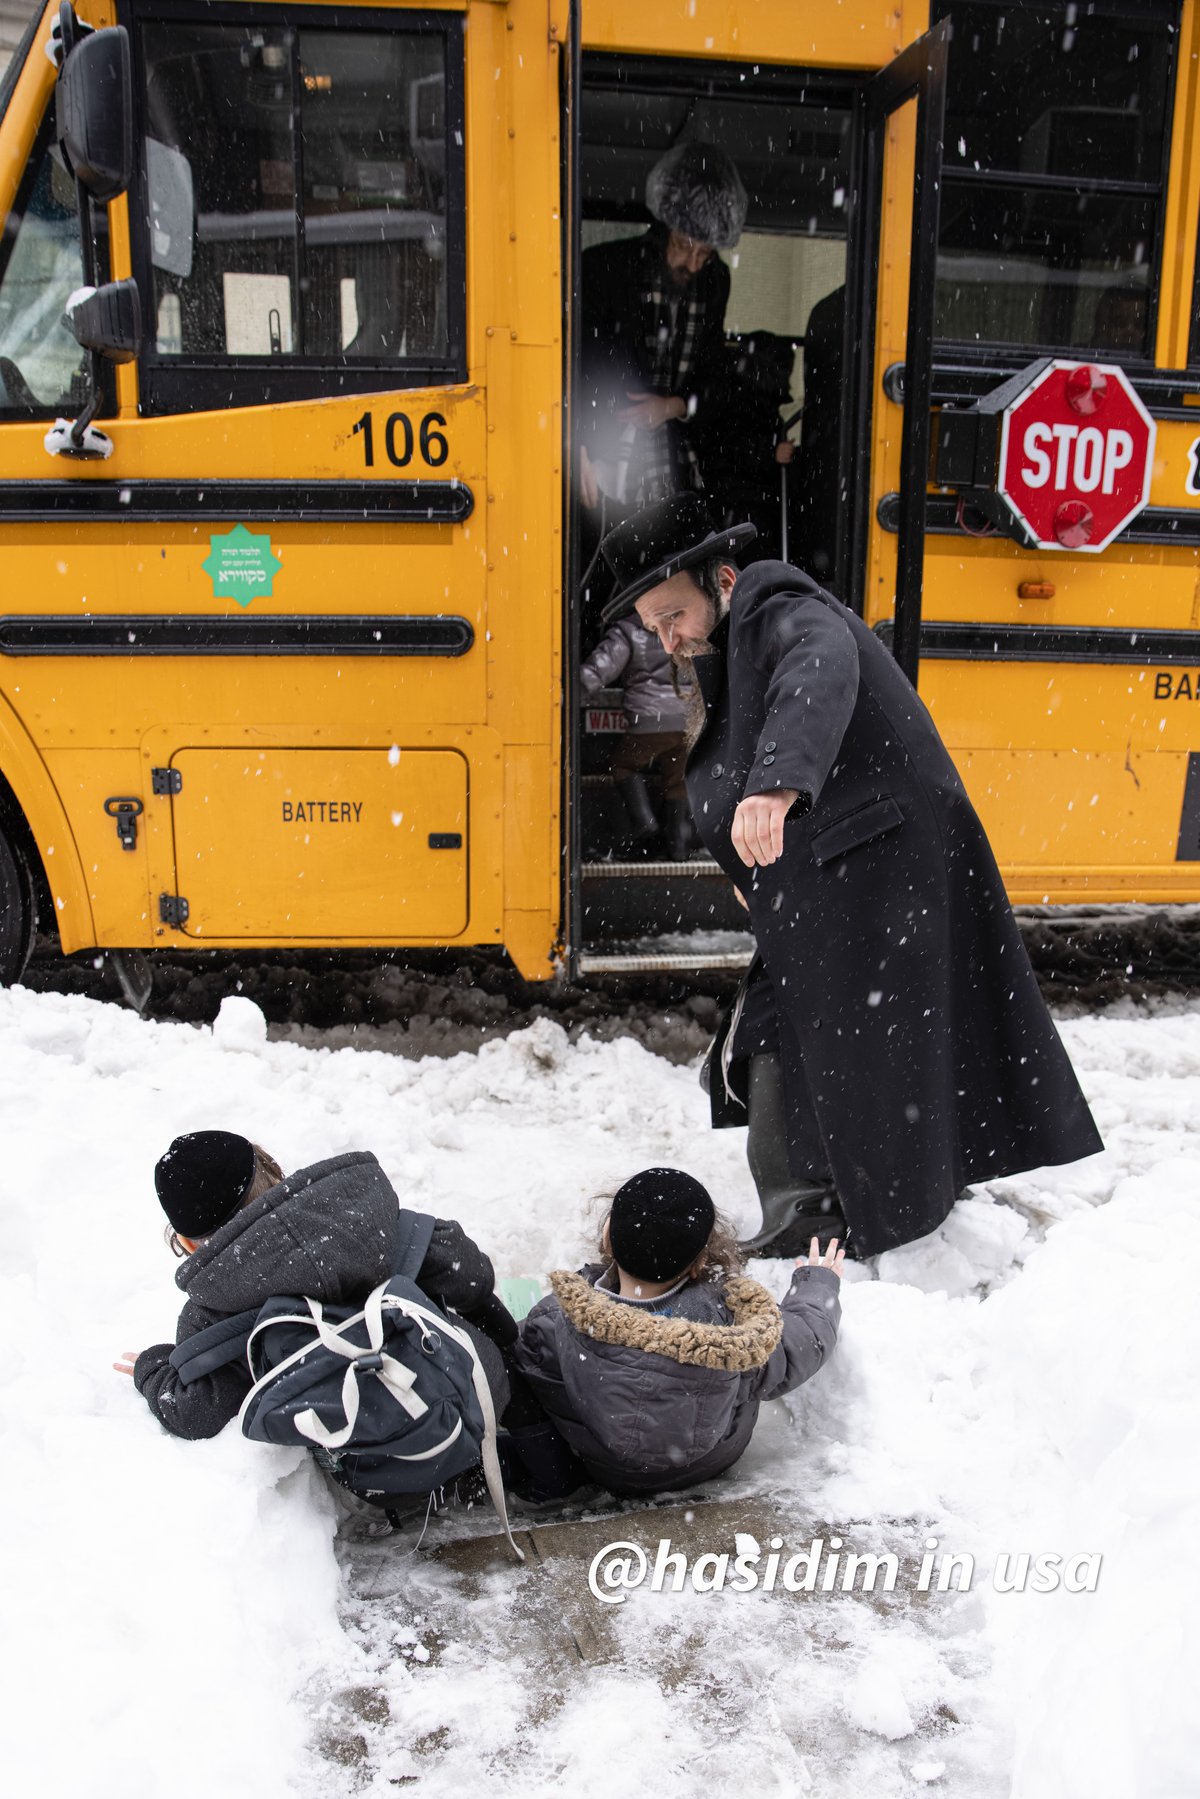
x=125, y=1365
x=833, y=1257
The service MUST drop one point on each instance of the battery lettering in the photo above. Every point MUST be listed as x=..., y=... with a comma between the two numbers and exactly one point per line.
x=1185, y=686
x=322, y=812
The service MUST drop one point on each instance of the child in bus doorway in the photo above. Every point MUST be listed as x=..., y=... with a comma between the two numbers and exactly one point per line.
x=632, y=658
x=653, y=1361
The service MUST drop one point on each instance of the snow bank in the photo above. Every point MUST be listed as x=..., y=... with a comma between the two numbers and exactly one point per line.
x=1022, y=1381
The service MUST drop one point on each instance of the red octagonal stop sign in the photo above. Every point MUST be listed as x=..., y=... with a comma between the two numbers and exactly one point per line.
x=1076, y=455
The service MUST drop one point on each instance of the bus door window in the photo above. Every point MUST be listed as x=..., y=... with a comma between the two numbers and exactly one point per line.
x=303, y=206
x=1054, y=174
x=792, y=154
x=42, y=368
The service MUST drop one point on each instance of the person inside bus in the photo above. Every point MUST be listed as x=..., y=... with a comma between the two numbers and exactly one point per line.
x=817, y=485
x=632, y=658
x=1120, y=321
x=655, y=370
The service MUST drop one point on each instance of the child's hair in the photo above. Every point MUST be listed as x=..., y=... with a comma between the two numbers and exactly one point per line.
x=267, y=1174
x=718, y=1261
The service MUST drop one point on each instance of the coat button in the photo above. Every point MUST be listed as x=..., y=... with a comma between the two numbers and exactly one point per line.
x=771, y=746
x=718, y=769
x=767, y=761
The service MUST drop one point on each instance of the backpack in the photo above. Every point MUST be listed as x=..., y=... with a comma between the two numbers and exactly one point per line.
x=390, y=1396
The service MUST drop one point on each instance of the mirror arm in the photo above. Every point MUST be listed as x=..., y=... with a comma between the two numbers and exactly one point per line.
x=79, y=429
x=87, y=246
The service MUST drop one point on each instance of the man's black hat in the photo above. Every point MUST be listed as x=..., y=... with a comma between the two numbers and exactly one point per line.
x=650, y=546
x=203, y=1179
x=660, y=1221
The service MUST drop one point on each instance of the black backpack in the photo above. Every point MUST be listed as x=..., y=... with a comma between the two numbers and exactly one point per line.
x=389, y=1395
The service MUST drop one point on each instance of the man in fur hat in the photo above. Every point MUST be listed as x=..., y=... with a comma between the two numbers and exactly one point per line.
x=890, y=1044
x=654, y=363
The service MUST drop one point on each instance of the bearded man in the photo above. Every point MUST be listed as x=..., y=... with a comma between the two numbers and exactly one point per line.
x=889, y=1044
x=655, y=371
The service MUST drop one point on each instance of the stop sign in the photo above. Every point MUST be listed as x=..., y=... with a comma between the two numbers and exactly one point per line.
x=1076, y=455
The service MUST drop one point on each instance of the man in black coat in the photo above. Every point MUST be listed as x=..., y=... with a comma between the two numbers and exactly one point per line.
x=891, y=1044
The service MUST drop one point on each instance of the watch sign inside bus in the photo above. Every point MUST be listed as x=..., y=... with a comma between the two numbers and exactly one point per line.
x=1076, y=456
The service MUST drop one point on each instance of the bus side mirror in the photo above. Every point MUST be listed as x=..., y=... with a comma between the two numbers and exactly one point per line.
x=95, y=112
x=107, y=320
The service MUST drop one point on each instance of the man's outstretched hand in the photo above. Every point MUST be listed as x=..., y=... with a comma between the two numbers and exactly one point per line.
x=758, y=826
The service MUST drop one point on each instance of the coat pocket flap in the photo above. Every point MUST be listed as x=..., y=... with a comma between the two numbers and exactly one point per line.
x=856, y=828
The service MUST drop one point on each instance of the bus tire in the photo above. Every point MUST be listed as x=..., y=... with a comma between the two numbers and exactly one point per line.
x=17, y=918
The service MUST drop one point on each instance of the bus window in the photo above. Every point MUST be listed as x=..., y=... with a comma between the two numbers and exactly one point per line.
x=41, y=365
x=300, y=200
x=1054, y=174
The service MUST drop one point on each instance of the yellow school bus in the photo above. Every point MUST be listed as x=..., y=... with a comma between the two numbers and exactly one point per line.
x=292, y=543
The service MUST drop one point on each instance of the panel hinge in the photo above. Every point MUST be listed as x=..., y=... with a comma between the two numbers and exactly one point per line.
x=173, y=910
x=166, y=780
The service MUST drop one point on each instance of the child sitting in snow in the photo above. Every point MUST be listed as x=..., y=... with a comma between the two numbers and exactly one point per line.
x=653, y=1363
x=331, y=1231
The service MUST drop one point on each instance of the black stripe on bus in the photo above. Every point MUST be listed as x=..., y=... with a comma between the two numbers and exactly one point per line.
x=316, y=502
x=434, y=634
x=1061, y=643
x=1156, y=524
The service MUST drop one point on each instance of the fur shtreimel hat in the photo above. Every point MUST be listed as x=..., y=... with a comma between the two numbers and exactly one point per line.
x=660, y=1221
x=695, y=189
x=203, y=1179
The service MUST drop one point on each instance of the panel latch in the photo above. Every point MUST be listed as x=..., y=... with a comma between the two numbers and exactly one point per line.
x=125, y=810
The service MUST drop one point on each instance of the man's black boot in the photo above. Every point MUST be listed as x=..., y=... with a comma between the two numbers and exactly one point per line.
x=636, y=801
x=795, y=1208
x=791, y=1219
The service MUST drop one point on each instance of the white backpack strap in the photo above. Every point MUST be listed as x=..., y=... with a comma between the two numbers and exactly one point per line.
x=399, y=1380
x=264, y=1380
x=491, y=1460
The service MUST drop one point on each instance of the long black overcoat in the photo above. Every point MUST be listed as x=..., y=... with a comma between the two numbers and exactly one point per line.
x=904, y=996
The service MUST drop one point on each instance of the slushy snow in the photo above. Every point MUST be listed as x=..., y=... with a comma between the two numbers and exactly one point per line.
x=1022, y=1383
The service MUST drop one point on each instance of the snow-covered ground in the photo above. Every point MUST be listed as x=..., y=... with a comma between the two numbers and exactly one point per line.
x=178, y=1619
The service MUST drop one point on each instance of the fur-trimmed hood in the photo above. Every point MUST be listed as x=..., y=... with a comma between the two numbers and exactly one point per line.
x=651, y=1401
x=735, y=1348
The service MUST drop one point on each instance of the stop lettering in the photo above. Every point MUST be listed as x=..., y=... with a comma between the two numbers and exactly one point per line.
x=1076, y=456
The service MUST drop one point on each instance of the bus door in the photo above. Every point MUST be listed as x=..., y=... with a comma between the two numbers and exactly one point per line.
x=789, y=448
x=915, y=83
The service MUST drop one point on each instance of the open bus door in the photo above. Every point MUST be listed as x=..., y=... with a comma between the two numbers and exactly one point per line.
x=917, y=77
x=659, y=916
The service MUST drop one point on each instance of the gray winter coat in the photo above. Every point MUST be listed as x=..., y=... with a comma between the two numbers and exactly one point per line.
x=331, y=1232
x=655, y=1400
x=632, y=658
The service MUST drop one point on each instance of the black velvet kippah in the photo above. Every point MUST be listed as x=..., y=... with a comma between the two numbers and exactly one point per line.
x=660, y=1221
x=203, y=1179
